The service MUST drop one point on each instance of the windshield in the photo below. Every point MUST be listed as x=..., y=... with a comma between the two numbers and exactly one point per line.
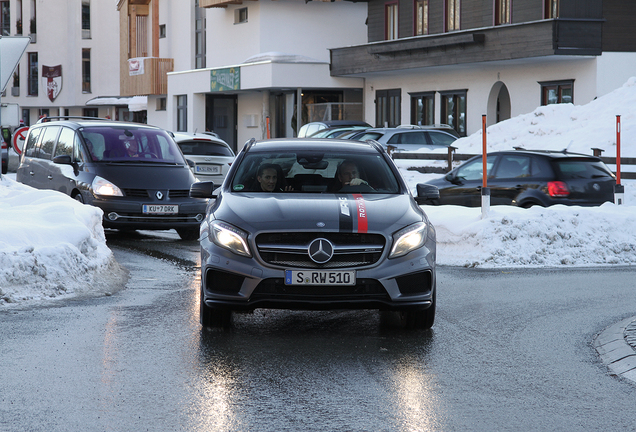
x=315, y=172
x=130, y=144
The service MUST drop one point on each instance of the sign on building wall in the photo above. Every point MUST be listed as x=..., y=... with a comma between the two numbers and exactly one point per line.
x=225, y=79
x=52, y=77
x=136, y=66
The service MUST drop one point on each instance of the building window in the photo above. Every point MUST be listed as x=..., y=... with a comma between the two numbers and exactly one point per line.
x=86, y=19
x=387, y=107
x=240, y=15
x=33, y=74
x=423, y=108
x=161, y=104
x=33, y=22
x=26, y=116
x=421, y=17
x=454, y=110
x=502, y=12
x=451, y=12
x=199, y=26
x=391, y=21
x=182, y=113
x=5, y=17
x=551, y=9
x=90, y=112
x=557, y=92
x=162, y=31
x=18, y=17
x=86, y=70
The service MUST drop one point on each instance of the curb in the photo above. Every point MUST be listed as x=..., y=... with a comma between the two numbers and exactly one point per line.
x=615, y=351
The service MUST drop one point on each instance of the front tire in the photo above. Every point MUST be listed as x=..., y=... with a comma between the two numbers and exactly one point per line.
x=214, y=318
x=421, y=319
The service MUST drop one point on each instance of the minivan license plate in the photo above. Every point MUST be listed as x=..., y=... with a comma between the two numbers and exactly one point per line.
x=160, y=209
x=319, y=277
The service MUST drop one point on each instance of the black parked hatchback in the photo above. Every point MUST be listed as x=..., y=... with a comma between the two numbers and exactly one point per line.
x=526, y=178
x=134, y=172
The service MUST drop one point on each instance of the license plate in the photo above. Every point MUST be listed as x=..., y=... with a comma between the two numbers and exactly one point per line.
x=319, y=277
x=208, y=169
x=160, y=209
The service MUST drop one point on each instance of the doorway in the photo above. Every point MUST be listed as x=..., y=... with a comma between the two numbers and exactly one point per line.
x=220, y=117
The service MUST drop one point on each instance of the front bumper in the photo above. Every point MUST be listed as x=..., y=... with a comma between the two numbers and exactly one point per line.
x=232, y=282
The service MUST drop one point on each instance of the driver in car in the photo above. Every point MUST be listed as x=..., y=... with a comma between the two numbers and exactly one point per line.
x=348, y=174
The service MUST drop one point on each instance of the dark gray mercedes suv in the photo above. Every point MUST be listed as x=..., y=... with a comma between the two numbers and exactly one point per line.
x=316, y=224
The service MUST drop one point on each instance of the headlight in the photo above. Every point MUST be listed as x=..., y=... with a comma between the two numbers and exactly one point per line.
x=229, y=237
x=408, y=239
x=101, y=186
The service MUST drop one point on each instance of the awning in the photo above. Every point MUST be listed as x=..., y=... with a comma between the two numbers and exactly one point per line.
x=134, y=103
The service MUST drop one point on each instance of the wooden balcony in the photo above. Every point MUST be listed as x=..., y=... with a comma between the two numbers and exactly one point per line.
x=218, y=3
x=146, y=76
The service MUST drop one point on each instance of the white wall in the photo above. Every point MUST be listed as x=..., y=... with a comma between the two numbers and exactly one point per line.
x=287, y=26
x=521, y=79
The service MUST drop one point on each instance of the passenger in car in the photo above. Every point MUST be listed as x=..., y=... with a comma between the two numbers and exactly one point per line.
x=269, y=178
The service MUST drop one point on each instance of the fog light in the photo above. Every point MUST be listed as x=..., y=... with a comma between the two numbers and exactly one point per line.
x=113, y=216
x=200, y=217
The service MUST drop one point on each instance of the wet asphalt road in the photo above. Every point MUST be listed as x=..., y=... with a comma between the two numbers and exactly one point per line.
x=510, y=350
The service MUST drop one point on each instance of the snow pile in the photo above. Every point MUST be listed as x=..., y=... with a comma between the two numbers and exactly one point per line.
x=537, y=237
x=565, y=126
x=50, y=246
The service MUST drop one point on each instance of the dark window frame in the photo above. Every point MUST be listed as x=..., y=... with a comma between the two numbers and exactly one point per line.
x=182, y=113
x=387, y=27
x=426, y=115
x=424, y=19
x=455, y=24
x=33, y=77
x=559, y=87
x=551, y=9
x=388, y=107
x=499, y=5
x=86, y=70
x=459, y=116
x=86, y=19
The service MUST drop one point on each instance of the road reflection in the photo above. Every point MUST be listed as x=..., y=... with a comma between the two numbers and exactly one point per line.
x=335, y=370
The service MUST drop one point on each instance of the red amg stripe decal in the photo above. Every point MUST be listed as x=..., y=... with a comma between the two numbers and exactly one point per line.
x=361, y=213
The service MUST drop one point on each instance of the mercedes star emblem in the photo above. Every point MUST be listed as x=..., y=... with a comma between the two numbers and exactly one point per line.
x=320, y=250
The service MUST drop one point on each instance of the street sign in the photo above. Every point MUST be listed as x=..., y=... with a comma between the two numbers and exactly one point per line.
x=11, y=50
x=19, y=137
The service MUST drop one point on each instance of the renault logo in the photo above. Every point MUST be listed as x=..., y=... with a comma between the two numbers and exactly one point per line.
x=320, y=250
x=159, y=195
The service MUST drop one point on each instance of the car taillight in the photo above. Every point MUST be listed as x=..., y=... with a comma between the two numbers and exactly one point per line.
x=558, y=189
x=4, y=145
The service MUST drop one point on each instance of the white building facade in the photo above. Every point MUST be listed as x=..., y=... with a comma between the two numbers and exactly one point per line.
x=72, y=59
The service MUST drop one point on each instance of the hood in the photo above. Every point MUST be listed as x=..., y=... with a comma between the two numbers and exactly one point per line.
x=146, y=176
x=328, y=212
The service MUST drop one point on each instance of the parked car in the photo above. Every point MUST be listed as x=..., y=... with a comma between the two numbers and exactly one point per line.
x=314, y=242
x=313, y=127
x=528, y=178
x=410, y=138
x=211, y=155
x=336, y=132
x=5, y=156
x=135, y=173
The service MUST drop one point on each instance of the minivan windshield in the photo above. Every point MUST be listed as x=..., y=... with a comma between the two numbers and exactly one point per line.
x=130, y=144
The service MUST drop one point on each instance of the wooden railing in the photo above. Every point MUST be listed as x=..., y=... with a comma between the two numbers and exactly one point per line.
x=627, y=172
x=153, y=81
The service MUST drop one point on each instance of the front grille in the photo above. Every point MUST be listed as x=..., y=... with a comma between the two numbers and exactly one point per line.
x=178, y=193
x=136, y=193
x=143, y=193
x=291, y=249
x=275, y=289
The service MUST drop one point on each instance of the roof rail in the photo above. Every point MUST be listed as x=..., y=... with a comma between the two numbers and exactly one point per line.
x=436, y=125
x=564, y=151
x=60, y=118
x=249, y=144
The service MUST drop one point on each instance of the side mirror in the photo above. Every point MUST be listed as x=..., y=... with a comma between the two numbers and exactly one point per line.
x=63, y=159
x=426, y=193
x=202, y=190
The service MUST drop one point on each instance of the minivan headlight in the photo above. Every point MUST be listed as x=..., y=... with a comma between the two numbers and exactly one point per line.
x=408, y=239
x=229, y=237
x=101, y=186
